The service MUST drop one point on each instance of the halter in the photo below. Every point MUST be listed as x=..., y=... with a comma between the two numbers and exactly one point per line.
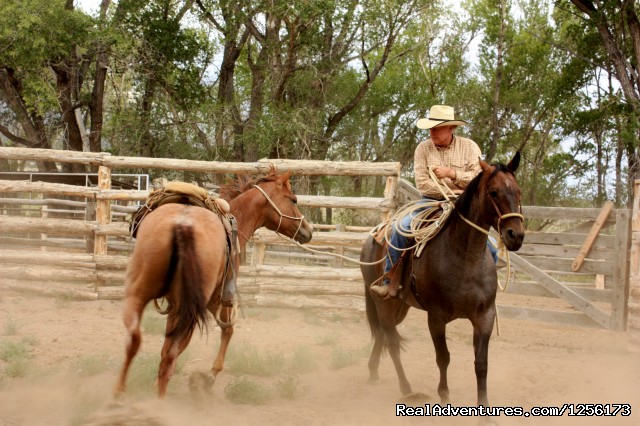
x=301, y=218
x=501, y=217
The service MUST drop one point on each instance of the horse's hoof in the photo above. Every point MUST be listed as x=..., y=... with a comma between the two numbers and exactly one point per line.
x=487, y=421
x=118, y=398
x=373, y=380
x=415, y=397
x=201, y=384
x=116, y=402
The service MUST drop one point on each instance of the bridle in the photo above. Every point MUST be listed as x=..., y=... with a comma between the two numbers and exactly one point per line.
x=501, y=217
x=301, y=218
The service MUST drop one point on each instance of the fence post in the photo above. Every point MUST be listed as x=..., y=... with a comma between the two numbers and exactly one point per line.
x=390, y=191
x=103, y=216
x=634, y=284
x=620, y=294
x=259, y=251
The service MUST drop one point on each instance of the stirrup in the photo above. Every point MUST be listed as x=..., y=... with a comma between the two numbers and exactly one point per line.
x=232, y=318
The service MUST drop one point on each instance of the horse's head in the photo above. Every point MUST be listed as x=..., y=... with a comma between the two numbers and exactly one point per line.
x=282, y=214
x=504, y=194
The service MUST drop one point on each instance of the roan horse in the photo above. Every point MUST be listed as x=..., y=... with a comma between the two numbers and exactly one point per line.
x=454, y=277
x=181, y=255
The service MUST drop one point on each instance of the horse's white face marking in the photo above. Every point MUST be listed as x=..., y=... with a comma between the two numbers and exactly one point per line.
x=508, y=184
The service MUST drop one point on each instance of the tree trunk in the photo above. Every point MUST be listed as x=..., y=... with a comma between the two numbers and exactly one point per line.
x=497, y=82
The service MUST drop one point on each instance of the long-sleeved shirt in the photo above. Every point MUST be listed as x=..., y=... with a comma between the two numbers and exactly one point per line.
x=462, y=155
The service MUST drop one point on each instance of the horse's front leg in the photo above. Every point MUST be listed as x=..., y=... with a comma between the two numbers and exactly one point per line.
x=482, y=329
x=437, y=329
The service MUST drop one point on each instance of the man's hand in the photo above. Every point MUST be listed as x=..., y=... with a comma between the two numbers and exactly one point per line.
x=442, y=172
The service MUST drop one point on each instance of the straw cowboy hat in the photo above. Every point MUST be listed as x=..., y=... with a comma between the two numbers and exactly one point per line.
x=439, y=115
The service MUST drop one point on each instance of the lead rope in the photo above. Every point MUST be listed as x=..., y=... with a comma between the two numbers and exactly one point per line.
x=421, y=229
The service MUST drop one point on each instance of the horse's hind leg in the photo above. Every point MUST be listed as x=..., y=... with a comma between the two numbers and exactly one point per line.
x=437, y=329
x=133, y=308
x=225, y=338
x=171, y=349
x=374, y=359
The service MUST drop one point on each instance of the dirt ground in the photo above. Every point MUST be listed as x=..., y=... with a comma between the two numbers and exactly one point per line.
x=71, y=352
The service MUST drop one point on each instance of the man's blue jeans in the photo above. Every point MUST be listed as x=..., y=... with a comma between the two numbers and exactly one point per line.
x=400, y=241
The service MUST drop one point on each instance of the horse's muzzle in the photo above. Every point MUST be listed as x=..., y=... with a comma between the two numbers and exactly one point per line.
x=513, y=236
x=304, y=233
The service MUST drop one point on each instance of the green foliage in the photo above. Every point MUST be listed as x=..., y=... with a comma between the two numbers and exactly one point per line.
x=341, y=358
x=16, y=355
x=10, y=327
x=329, y=80
x=17, y=368
x=246, y=359
x=303, y=360
x=36, y=34
x=90, y=365
x=143, y=373
x=288, y=387
x=245, y=391
x=14, y=351
x=152, y=321
x=328, y=340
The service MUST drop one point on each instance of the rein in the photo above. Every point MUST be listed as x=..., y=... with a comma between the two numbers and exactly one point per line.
x=500, y=245
x=301, y=218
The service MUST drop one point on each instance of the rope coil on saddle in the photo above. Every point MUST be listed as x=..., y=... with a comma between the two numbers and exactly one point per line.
x=424, y=226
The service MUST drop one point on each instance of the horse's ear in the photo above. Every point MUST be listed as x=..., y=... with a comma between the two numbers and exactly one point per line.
x=514, y=163
x=486, y=167
x=283, y=180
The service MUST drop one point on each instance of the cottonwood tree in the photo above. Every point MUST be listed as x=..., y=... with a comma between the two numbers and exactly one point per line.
x=618, y=27
x=52, y=74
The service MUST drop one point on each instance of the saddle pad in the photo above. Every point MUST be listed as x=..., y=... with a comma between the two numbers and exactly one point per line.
x=184, y=193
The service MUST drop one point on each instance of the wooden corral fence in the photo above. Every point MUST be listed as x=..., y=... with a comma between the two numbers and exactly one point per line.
x=575, y=272
x=634, y=284
x=29, y=260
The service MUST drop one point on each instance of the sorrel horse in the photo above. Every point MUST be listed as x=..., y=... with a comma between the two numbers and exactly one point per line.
x=181, y=255
x=454, y=277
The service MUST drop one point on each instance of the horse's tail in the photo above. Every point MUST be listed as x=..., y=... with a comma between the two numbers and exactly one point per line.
x=190, y=306
x=369, y=275
x=372, y=312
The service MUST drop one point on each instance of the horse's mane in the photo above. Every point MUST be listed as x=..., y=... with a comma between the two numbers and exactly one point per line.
x=244, y=182
x=463, y=203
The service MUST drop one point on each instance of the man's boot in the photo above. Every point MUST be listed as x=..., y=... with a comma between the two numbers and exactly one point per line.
x=381, y=290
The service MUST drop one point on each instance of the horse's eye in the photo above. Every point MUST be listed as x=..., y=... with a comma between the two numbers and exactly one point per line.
x=493, y=194
x=295, y=200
